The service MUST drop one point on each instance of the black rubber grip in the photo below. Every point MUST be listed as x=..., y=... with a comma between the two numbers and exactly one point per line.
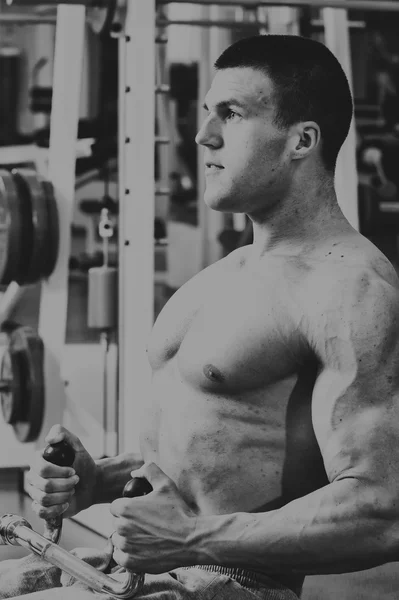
x=61, y=454
x=137, y=487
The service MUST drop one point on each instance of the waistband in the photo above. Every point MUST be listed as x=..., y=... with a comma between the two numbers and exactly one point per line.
x=246, y=578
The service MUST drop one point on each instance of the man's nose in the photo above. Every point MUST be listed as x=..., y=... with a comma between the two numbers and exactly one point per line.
x=209, y=135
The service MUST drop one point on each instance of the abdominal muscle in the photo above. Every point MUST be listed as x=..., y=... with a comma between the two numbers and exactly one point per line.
x=225, y=454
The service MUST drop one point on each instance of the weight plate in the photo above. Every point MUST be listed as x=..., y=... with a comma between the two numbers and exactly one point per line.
x=32, y=195
x=53, y=230
x=11, y=399
x=30, y=349
x=11, y=229
x=100, y=18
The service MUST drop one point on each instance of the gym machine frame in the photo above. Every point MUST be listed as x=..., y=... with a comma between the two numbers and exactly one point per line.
x=26, y=19
x=375, y=5
x=137, y=193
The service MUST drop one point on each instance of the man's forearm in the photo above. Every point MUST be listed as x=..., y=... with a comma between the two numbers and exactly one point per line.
x=340, y=528
x=112, y=475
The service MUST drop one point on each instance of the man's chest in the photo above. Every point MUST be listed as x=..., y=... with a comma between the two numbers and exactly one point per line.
x=239, y=334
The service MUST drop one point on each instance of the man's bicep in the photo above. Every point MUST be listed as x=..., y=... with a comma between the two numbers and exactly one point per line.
x=355, y=403
x=356, y=426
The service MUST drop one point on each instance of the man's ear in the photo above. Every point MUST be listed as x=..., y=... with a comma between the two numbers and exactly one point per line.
x=306, y=139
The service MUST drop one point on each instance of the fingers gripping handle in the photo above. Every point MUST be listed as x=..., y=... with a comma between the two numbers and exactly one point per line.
x=63, y=455
x=137, y=487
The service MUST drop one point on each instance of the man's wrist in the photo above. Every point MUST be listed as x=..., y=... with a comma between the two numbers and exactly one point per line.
x=209, y=539
x=112, y=474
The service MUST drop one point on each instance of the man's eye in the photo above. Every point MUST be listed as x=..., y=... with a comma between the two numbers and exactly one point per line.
x=232, y=115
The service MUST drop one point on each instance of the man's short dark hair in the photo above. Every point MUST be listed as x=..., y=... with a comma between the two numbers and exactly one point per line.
x=310, y=84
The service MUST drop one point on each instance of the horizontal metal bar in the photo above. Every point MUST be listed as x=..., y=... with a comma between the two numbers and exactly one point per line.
x=52, y=2
x=79, y=569
x=228, y=24
x=17, y=532
x=389, y=207
x=21, y=19
x=379, y=6
x=319, y=23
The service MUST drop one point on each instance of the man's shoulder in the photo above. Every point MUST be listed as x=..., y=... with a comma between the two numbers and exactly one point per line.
x=356, y=290
x=352, y=266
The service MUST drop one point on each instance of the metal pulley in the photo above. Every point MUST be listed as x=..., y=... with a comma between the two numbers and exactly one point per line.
x=22, y=394
x=29, y=227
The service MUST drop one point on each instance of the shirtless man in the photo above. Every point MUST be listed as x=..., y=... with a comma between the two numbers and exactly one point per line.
x=271, y=438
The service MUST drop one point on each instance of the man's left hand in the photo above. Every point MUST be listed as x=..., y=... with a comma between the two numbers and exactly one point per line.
x=152, y=532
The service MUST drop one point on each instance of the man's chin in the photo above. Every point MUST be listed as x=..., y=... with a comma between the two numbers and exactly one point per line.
x=217, y=202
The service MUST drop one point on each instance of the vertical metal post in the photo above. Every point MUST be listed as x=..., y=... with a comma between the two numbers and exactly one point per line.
x=84, y=110
x=136, y=217
x=163, y=116
x=336, y=32
x=204, y=81
x=212, y=42
x=61, y=172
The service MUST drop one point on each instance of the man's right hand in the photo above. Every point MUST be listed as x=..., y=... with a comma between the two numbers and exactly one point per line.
x=62, y=490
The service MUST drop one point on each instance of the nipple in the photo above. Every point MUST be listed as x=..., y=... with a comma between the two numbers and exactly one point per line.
x=213, y=374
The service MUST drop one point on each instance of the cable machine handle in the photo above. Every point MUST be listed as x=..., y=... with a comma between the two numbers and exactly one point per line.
x=63, y=455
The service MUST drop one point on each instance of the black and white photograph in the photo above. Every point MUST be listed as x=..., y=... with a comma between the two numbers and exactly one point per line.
x=199, y=299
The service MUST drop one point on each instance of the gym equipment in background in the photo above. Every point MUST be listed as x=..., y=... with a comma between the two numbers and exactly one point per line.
x=29, y=227
x=22, y=389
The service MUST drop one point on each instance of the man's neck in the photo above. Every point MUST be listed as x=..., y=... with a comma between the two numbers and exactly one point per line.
x=298, y=222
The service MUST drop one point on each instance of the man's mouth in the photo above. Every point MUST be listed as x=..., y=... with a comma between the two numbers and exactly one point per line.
x=213, y=166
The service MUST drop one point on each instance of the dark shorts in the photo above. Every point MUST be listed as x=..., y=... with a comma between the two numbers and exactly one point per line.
x=33, y=579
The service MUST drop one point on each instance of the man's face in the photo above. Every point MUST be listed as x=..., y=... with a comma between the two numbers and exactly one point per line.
x=246, y=157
